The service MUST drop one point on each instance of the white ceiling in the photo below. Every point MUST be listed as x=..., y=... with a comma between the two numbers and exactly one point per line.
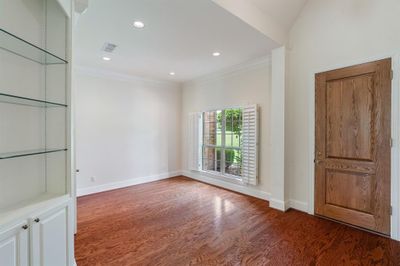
x=179, y=36
x=284, y=12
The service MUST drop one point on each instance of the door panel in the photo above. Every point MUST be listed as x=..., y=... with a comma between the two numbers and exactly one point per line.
x=9, y=252
x=352, y=169
x=49, y=237
x=14, y=246
x=54, y=239
x=356, y=190
x=348, y=127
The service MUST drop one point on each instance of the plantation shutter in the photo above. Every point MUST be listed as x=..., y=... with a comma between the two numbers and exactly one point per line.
x=250, y=145
x=194, y=141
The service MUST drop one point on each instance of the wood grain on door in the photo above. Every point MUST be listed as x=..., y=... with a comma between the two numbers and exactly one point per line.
x=352, y=151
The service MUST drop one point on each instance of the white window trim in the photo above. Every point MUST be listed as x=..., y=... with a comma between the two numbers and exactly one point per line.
x=226, y=177
x=221, y=174
x=239, y=180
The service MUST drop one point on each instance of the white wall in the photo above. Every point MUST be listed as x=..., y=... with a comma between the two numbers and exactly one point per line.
x=127, y=129
x=250, y=84
x=329, y=34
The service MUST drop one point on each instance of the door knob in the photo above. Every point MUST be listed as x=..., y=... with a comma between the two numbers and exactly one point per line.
x=25, y=227
x=37, y=220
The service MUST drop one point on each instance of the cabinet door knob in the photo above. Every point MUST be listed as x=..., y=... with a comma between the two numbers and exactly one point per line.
x=25, y=227
x=37, y=220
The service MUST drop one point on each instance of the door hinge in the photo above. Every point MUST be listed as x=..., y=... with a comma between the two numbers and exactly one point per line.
x=391, y=74
x=391, y=142
x=391, y=210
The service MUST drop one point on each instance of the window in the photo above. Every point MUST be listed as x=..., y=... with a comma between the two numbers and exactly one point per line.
x=222, y=142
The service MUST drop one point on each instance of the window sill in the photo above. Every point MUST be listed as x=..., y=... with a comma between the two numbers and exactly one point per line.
x=219, y=176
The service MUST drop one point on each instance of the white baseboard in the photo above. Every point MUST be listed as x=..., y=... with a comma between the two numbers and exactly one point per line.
x=279, y=204
x=289, y=204
x=298, y=205
x=273, y=203
x=247, y=190
x=125, y=183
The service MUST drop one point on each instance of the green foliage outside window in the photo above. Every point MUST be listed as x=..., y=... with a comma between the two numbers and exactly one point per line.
x=232, y=134
x=233, y=118
x=234, y=115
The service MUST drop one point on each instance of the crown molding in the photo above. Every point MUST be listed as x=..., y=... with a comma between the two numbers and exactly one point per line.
x=232, y=70
x=102, y=73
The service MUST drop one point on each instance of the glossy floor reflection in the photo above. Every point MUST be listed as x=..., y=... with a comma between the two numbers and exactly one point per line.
x=183, y=222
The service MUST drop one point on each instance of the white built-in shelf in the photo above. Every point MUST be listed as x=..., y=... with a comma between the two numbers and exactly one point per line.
x=29, y=207
x=14, y=99
x=25, y=49
x=17, y=154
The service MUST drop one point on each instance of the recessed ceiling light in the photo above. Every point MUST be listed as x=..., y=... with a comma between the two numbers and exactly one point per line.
x=138, y=24
x=172, y=73
x=105, y=58
x=216, y=54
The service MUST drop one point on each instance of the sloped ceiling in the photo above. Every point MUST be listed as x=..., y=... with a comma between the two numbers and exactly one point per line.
x=273, y=18
x=284, y=12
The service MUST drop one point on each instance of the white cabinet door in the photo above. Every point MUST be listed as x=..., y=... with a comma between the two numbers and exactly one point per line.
x=51, y=238
x=14, y=244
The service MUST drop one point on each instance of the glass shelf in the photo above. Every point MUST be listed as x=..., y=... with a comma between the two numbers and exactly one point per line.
x=10, y=155
x=18, y=46
x=7, y=98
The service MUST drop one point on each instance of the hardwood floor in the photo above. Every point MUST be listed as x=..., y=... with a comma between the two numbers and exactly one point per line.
x=184, y=222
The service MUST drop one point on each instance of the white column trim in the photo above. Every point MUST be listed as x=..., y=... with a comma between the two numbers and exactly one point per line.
x=277, y=141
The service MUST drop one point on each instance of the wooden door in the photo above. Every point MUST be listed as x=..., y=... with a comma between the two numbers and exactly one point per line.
x=353, y=142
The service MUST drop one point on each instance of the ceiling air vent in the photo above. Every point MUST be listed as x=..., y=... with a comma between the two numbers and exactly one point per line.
x=108, y=47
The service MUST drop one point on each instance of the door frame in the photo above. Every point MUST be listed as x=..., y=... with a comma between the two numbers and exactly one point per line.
x=395, y=129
